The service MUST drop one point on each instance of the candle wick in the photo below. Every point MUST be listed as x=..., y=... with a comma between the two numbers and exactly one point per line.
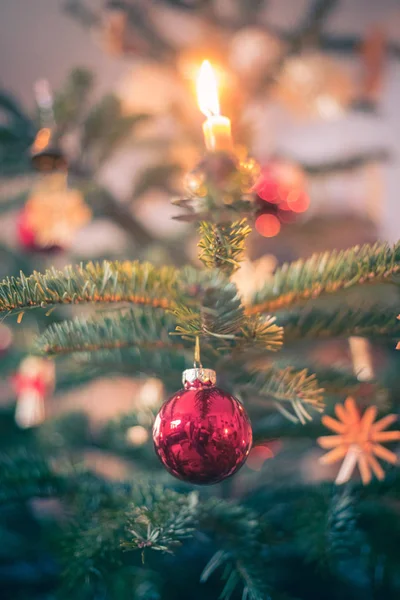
x=210, y=113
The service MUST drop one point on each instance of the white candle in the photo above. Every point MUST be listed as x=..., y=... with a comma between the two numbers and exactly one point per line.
x=217, y=128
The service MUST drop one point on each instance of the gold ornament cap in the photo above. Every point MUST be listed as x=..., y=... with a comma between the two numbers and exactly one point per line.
x=199, y=374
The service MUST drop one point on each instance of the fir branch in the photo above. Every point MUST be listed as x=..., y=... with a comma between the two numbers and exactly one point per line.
x=69, y=431
x=129, y=342
x=221, y=246
x=260, y=334
x=133, y=328
x=221, y=320
x=343, y=535
x=165, y=519
x=238, y=571
x=298, y=388
x=106, y=282
x=220, y=312
x=319, y=324
x=24, y=475
x=327, y=273
x=237, y=531
x=92, y=550
x=333, y=534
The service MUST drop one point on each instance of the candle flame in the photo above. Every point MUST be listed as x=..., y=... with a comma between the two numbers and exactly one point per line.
x=207, y=90
x=42, y=139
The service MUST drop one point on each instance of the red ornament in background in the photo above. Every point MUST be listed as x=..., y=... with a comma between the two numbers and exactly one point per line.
x=282, y=193
x=280, y=181
x=202, y=434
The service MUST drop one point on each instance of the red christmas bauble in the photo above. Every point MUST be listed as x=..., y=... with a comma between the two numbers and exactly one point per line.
x=202, y=434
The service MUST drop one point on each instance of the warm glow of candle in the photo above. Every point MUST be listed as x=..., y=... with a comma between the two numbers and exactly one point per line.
x=207, y=90
x=217, y=129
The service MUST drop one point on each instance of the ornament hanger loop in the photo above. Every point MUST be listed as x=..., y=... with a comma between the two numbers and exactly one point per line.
x=197, y=360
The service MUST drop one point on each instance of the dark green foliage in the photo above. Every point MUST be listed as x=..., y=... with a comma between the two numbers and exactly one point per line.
x=243, y=565
x=24, y=475
x=337, y=536
x=163, y=521
x=91, y=550
x=108, y=526
x=66, y=433
x=17, y=133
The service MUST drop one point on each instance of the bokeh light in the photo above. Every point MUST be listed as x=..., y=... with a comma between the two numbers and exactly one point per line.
x=268, y=225
x=137, y=435
x=258, y=456
x=300, y=203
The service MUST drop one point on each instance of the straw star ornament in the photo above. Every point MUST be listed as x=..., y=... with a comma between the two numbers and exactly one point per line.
x=358, y=441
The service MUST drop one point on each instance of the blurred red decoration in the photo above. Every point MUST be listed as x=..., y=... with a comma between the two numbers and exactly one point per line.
x=282, y=194
x=268, y=225
x=280, y=181
x=34, y=381
x=258, y=456
x=298, y=203
x=25, y=233
x=52, y=215
x=202, y=434
x=26, y=236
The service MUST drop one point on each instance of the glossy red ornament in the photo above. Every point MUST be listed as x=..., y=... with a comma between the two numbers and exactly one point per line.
x=202, y=434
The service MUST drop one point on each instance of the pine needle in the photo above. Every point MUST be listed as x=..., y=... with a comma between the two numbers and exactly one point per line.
x=299, y=388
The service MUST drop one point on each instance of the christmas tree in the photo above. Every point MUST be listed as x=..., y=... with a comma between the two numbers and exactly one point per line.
x=268, y=405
